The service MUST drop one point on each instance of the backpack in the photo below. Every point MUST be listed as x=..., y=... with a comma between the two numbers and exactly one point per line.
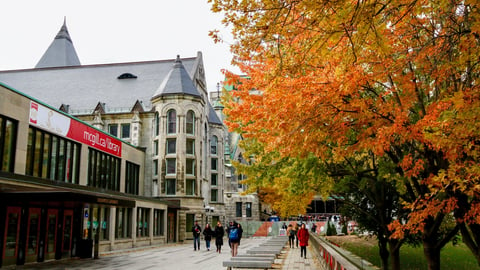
x=292, y=232
x=233, y=234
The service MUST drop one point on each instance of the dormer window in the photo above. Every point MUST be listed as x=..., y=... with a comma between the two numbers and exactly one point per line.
x=126, y=76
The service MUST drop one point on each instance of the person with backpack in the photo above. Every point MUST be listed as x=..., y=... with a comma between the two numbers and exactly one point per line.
x=196, y=230
x=233, y=232
x=291, y=236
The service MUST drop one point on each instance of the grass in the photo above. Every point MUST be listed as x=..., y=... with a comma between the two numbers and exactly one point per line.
x=456, y=257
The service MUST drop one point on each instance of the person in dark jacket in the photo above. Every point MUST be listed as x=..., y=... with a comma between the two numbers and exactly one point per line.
x=234, y=234
x=219, y=233
x=207, y=233
x=196, y=230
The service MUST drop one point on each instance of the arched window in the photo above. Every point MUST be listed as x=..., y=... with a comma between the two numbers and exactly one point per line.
x=157, y=124
x=190, y=123
x=171, y=121
x=213, y=145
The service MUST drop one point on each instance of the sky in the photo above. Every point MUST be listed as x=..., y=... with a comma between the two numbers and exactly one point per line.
x=115, y=31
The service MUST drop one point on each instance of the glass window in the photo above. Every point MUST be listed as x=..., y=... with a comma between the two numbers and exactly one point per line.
x=113, y=129
x=248, y=209
x=214, y=179
x=214, y=164
x=132, y=178
x=155, y=148
x=190, y=147
x=214, y=195
x=143, y=217
x=171, y=165
x=213, y=145
x=170, y=186
x=158, y=222
x=190, y=166
x=155, y=167
x=171, y=146
x=238, y=209
x=190, y=187
x=171, y=122
x=157, y=124
x=103, y=170
x=123, y=223
x=189, y=224
x=190, y=123
x=8, y=137
x=104, y=218
x=125, y=131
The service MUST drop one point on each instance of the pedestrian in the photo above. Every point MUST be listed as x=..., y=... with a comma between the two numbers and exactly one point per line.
x=228, y=230
x=284, y=226
x=219, y=232
x=196, y=230
x=303, y=238
x=295, y=228
x=233, y=238
x=240, y=233
x=291, y=236
x=207, y=233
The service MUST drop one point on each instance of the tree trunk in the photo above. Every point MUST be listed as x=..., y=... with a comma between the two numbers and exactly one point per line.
x=383, y=252
x=394, y=245
x=432, y=254
x=471, y=237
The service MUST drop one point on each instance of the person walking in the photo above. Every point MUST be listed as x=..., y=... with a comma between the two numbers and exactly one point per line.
x=295, y=228
x=207, y=233
x=219, y=233
x=303, y=238
x=291, y=236
x=196, y=230
x=234, y=238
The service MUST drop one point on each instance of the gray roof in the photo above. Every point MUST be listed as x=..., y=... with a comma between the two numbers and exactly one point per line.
x=83, y=87
x=61, y=51
x=177, y=82
x=212, y=115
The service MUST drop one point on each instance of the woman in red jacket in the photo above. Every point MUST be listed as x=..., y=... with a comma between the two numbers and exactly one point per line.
x=303, y=238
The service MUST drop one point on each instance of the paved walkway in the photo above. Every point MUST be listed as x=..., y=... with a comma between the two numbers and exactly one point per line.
x=176, y=256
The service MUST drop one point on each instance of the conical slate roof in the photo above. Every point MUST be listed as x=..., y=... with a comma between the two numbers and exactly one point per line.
x=212, y=116
x=61, y=52
x=177, y=82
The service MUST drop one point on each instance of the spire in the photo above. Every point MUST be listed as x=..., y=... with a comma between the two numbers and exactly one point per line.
x=177, y=82
x=61, y=52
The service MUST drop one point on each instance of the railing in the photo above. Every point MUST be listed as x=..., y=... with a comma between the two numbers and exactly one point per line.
x=335, y=258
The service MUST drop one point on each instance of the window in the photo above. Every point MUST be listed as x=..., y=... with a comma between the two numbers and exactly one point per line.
x=213, y=145
x=52, y=157
x=158, y=222
x=8, y=137
x=190, y=147
x=171, y=165
x=189, y=224
x=143, y=219
x=125, y=131
x=190, y=187
x=155, y=167
x=155, y=148
x=190, y=166
x=190, y=123
x=238, y=209
x=248, y=209
x=157, y=124
x=104, y=220
x=132, y=175
x=214, y=195
x=214, y=179
x=171, y=146
x=113, y=129
x=103, y=170
x=214, y=164
x=123, y=223
x=170, y=188
x=171, y=122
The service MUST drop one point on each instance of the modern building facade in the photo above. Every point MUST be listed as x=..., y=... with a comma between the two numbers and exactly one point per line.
x=145, y=159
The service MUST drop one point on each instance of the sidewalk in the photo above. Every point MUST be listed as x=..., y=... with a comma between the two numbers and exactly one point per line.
x=294, y=261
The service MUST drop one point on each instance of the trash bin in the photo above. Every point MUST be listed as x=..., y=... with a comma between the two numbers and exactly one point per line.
x=85, y=248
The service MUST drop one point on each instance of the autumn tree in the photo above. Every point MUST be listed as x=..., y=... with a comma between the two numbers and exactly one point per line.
x=395, y=78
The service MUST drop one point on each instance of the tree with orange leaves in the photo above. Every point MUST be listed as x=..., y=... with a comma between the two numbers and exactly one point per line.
x=398, y=79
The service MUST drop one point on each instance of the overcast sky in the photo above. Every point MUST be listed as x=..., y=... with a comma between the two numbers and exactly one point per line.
x=114, y=31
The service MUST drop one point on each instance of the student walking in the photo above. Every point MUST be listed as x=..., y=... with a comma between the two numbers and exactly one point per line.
x=196, y=230
x=291, y=236
x=219, y=233
x=296, y=228
x=233, y=232
x=303, y=238
x=207, y=232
